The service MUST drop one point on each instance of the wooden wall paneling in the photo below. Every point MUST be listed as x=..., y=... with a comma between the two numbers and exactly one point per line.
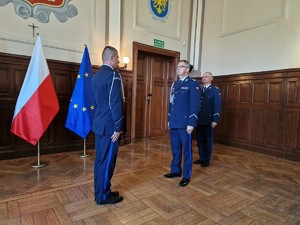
x=292, y=114
x=5, y=121
x=230, y=122
x=244, y=124
x=64, y=82
x=245, y=92
x=233, y=92
x=5, y=104
x=275, y=91
x=272, y=128
x=260, y=92
x=5, y=90
x=290, y=130
x=260, y=111
x=57, y=138
x=258, y=127
x=265, y=116
x=275, y=115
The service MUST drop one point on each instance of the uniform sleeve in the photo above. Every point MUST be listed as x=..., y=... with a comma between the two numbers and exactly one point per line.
x=116, y=102
x=217, y=105
x=169, y=113
x=194, y=104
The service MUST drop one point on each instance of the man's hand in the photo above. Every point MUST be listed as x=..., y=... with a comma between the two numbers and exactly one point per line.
x=116, y=136
x=213, y=124
x=189, y=129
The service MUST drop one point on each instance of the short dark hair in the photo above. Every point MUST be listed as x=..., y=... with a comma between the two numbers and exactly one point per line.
x=187, y=64
x=107, y=52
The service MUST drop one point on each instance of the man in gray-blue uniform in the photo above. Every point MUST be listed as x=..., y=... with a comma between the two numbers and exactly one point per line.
x=182, y=118
x=208, y=118
x=107, y=125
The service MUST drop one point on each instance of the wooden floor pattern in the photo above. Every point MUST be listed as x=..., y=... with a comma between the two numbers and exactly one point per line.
x=239, y=187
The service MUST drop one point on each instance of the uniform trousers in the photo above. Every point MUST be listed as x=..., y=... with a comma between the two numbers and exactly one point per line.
x=180, y=139
x=205, y=140
x=105, y=161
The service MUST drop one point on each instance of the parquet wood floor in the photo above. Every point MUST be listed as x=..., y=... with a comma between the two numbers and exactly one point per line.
x=239, y=187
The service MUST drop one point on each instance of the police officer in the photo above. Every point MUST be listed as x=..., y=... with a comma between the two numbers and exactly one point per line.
x=182, y=118
x=208, y=118
x=107, y=125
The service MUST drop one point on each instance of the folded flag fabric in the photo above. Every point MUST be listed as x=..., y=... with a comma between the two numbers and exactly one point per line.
x=37, y=103
x=82, y=105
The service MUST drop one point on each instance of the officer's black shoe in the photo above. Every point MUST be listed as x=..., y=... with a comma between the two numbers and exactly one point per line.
x=114, y=193
x=198, y=161
x=205, y=164
x=171, y=175
x=184, y=182
x=111, y=199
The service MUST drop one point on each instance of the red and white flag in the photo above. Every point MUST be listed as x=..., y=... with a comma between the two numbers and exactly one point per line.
x=37, y=103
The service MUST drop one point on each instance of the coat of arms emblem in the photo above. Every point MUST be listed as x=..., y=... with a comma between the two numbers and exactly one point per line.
x=41, y=9
x=160, y=9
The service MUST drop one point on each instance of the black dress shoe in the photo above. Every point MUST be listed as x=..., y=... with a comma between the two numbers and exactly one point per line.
x=205, y=164
x=114, y=193
x=184, y=182
x=198, y=161
x=171, y=175
x=111, y=199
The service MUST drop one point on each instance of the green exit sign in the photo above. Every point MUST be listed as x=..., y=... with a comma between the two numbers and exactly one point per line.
x=159, y=43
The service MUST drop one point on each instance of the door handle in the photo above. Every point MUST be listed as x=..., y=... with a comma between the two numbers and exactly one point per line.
x=149, y=98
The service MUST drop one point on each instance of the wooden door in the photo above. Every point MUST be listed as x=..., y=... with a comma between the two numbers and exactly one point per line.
x=154, y=77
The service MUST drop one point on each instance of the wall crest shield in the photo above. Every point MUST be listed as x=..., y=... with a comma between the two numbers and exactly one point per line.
x=160, y=9
x=41, y=9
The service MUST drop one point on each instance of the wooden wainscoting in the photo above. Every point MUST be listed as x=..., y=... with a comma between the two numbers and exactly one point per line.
x=57, y=138
x=261, y=112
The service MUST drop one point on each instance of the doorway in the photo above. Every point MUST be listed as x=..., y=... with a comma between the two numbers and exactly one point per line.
x=154, y=73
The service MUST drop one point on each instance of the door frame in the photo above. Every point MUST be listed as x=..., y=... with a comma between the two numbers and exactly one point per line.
x=148, y=49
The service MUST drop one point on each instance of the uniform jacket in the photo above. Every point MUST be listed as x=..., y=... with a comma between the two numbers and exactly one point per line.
x=184, y=103
x=210, y=106
x=107, y=90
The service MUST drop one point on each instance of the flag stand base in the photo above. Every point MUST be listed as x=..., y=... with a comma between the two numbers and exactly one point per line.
x=84, y=155
x=37, y=165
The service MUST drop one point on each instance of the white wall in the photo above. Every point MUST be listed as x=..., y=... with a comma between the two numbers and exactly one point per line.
x=247, y=36
x=61, y=41
x=139, y=26
x=118, y=23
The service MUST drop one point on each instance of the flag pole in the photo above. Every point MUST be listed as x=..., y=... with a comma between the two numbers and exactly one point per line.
x=84, y=155
x=38, y=164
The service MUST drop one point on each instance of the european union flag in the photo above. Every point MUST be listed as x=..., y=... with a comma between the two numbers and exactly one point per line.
x=82, y=104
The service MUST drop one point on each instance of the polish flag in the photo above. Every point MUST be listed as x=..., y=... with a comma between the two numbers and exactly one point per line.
x=37, y=103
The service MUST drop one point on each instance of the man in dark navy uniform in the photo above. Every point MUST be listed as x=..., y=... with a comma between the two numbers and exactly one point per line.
x=107, y=125
x=208, y=118
x=182, y=118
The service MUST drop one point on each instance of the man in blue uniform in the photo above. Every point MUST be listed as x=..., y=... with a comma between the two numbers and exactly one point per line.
x=107, y=125
x=208, y=118
x=182, y=118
